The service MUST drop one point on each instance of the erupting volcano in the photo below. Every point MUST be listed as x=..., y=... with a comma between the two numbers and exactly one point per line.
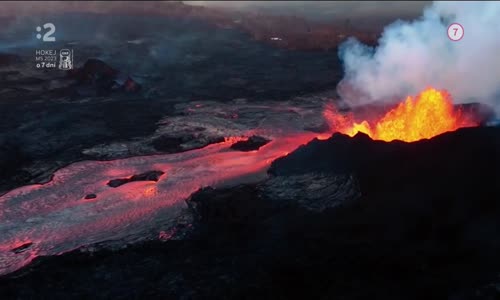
x=421, y=117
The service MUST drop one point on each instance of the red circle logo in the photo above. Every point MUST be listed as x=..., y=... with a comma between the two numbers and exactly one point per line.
x=455, y=32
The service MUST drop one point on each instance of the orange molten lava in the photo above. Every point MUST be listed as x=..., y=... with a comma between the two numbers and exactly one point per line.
x=427, y=115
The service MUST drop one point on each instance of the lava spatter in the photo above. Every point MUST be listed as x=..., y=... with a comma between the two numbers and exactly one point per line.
x=424, y=116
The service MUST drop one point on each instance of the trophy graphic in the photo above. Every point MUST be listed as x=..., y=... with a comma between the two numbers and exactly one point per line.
x=65, y=59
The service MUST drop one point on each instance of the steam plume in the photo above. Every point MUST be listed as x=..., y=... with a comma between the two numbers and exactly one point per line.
x=411, y=56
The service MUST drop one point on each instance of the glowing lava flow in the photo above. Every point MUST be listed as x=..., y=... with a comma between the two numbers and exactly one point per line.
x=427, y=115
x=55, y=217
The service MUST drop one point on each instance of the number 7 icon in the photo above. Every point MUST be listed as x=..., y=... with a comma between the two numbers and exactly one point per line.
x=455, y=32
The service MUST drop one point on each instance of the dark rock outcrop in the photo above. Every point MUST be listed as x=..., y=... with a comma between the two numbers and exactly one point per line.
x=92, y=70
x=22, y=248
x=175, y=144
x=252, y=143
x=147, y=176
x=443, y=190
x=97, y=77
x=168, y=144
x=131, y=86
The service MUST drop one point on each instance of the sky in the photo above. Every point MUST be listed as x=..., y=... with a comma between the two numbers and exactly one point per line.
x=323, y=10
x=326, y=10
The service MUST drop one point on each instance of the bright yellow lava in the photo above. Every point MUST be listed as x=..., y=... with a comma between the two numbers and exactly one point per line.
x=427, y=115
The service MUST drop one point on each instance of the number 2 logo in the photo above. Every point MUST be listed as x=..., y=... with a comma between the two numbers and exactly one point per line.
x=47, y=37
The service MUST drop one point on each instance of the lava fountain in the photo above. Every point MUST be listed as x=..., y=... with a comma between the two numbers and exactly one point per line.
x=424, y=116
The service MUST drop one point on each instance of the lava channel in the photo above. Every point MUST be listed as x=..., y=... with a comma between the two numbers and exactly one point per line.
x=56, y=217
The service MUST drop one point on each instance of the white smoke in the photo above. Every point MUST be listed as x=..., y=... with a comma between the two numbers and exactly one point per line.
x=411, y=56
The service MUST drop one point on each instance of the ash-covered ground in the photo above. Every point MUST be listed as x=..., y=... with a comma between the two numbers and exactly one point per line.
x=346, y=218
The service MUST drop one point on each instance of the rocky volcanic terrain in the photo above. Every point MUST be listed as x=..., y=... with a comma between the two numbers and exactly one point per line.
x=146, y=91
x=339, y=218
x=344, y=217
